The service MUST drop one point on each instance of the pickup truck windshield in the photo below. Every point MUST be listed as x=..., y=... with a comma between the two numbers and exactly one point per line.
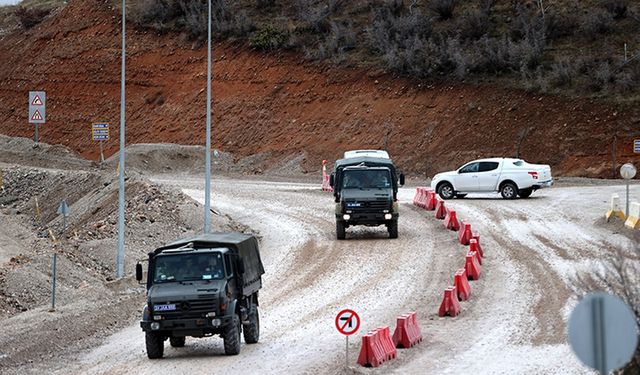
x=366, y=179
x=188, y=267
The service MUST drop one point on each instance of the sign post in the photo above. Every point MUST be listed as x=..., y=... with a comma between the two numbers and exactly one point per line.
x=63, y=210
x=627, y=171
x=603, y=332
x=347, y=323
x=100, y=133
x=37, y=110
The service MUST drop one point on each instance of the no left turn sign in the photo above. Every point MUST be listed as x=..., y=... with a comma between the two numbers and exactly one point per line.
x=347, y=322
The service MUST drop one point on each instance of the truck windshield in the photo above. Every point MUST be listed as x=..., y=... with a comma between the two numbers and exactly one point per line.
x=366, y=179
x=188, y=267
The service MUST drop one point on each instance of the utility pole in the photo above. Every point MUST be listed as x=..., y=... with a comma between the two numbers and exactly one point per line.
x=207, y=178
x=120, y=256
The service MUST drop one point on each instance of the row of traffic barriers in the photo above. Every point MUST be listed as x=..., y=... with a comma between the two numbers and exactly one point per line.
x=378, y=346
x=615, y=211
x=461, y=289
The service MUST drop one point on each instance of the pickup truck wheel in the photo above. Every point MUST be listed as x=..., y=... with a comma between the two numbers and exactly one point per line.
x=509, y=191
x=252, y=330
x=392, y=227
x=155, y=345
x=445, y=191
x=525, y=193
x=177, y=342
x=231, y=337
x=340, y=230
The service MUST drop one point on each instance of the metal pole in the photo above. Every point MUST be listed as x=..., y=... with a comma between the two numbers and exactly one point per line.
x=36, y=135
x=207, y=178
x=101, y=154
x=625, y=52
x=120, y=256
x=626, y=212
x=346, y=353
x=599, y=334
x=53, y=286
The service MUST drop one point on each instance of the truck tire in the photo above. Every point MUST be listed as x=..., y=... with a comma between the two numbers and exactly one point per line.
x=251, y=331
x=509, y=190
x=445, y=191
x=340, y=230
x=525, y=193
x=231, y=337
x=177, y=342
x=155, y=345
x=392, y=227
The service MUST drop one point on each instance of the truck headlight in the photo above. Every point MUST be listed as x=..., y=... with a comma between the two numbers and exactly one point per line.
x=216, y=322
x=346, y=217
x=155, y=326
x=388, y=216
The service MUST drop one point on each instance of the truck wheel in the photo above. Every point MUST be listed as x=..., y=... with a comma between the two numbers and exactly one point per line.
x=525, y=193
x=155, y=345
x=177, y=342
x=232, y=337
x=252, y=330
x=392, y=227
x=445, y=191
x=340, y=230
x=509, y=191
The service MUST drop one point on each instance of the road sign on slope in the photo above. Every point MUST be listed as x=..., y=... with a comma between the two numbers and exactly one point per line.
x=636, y=146
x=347, y=322
x=37, y=107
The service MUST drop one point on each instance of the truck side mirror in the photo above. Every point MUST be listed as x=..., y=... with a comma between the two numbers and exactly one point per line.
x=401, y=179
x=139, y=272
x=331, y=178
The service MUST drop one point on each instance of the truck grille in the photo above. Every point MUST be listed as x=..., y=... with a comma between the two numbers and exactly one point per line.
x=194, y=308
x=361, y=206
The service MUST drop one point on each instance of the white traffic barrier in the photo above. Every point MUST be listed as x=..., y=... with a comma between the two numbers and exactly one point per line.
x=634, y=216
x=614, y=209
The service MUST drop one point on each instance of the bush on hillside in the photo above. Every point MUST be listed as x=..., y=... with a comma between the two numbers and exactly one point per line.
x=29, y=17
x=269, y=38
x=443, y=8
x=596, y=22
x=617, y=8
x=474, y=23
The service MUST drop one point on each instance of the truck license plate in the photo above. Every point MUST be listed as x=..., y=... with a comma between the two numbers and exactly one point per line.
x=168, y=307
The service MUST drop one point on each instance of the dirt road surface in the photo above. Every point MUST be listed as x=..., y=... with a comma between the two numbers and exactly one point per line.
x=514, y=322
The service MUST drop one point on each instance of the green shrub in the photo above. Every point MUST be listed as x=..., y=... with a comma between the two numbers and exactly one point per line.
x=269, y=38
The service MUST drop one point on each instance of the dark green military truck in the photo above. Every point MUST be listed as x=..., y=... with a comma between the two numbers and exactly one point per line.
x=203, y=286
x=366, y=192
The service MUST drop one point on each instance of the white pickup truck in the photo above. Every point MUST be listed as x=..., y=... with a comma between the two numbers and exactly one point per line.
x=511, y=177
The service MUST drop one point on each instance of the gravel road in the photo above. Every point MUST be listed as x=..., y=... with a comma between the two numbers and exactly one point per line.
x=513, y=323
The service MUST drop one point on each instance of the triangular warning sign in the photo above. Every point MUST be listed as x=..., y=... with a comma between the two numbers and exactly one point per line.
x=36, y=116
x=36, y=100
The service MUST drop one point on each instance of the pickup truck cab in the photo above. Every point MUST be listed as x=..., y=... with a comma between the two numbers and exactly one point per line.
x=510, y=177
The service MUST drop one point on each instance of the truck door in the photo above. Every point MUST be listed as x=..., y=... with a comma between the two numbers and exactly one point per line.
x=488, y=175
x=467, y=178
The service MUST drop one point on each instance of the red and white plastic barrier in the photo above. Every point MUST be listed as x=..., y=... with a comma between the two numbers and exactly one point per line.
x=441, y=210
x=464, y=234
x=325, y=178
x=462, y=285
x=407, y=333
x=472, y=266
x=476, y=246
x=377, y=348
x=473, y=248
x=451, y=220
x=450, y=305
x=431, y=200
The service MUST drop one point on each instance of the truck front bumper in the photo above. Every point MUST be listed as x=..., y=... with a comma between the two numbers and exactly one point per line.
x=187, y=327
x=367, y=218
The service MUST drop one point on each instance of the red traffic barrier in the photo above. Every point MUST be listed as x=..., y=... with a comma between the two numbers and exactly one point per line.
x=407, y=333
x=325, y=178
x=422, y=198
x=450, y=305
x=441, y=211
x=451, y=220
x=477, y=247
x=472, y=266
x=473, y=248
x=464, y=234
x=431, y=200
x=377, y=348
x=461, y=283
x=416, y=197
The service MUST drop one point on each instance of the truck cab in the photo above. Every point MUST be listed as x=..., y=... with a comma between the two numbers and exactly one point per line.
x=365, y=191
x=202, y=286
